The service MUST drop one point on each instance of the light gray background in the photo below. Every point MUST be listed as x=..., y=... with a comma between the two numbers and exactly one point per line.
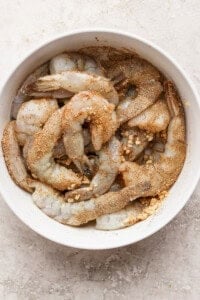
x=164, y=266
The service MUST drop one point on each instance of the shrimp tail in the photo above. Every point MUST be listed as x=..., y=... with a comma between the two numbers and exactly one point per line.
x=84, y=165
x=46, y=84
x=172, y=98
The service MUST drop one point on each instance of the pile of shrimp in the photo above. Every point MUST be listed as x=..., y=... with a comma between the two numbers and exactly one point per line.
x=97, y=134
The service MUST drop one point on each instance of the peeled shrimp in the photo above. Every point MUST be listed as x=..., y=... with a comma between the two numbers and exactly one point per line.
x=109, y=162
x=52, y=203
x=87, y=106
x=154, y=119
x=107, y=56
x=134, y=142
x=145, y=77
x=59, y=148
x=74, y=62
x=158, y=176
x=13, y=158
x=76, y=82
x=32, y=116
x=40, y=156
x=21, y=95
x=133, y=213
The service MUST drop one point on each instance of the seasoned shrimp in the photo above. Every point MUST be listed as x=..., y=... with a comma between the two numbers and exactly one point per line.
x=134, y=142
x=13, y=158
x=107, y=56
x=146, y=79
x=21, y=94
x=96, y=110
x=32, y=116
x=52, y=203
x=154, y=119
x=59, y=148
x=74, y=62
x=158, y=176
x=109, y=162
x=137, y=211
x=40, y=156
x=76, y=82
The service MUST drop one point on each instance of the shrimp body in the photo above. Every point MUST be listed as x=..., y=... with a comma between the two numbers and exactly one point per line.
x=96, y=110
x=145, y=77
x=76, y=82
x=109, y=162
x=52, y=203
x=160, y=175
x=32, y=116
x=59, y=148
x=133, y=213
x=154, y=119
x=13, y=158
x=134, y=142
x=21, y=94
x=74, y=62
x=40, y=156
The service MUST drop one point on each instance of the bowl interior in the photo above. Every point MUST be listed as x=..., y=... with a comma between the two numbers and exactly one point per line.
x=87, y=237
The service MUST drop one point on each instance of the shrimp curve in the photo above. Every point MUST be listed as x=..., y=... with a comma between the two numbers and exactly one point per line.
x=154, y=119
x=31, y=116
x=100, y=114
x=52, y=203
x=40, y=156
x=73, y=61
x=109, y=162
x=145, y=77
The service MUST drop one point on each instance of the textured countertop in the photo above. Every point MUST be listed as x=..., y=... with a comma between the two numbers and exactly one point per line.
x=164, y=266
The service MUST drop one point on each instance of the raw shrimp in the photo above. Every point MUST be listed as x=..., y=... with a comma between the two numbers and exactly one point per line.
x=109, y=162
x=145, y=77
x=76, y=82
x=32, y=116
x=158, y=176
x=74, y=62
x=107, y=56
x=59, y=148
x=154, y=119
x=26, y=147
x=134, y=142
x=13, y=158
x=21, y=94
x=87, y=106
x=137, y=211
x=40, y=156
x=52, y=203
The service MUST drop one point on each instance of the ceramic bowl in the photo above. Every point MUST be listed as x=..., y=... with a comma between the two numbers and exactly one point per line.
x=88, y=237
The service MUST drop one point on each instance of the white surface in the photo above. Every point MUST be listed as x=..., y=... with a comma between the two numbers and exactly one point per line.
x=164, y=266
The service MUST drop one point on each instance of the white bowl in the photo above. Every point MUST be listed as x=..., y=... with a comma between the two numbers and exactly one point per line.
x=88, y=237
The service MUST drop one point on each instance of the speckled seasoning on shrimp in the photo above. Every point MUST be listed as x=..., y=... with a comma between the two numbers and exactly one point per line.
x=98, y=134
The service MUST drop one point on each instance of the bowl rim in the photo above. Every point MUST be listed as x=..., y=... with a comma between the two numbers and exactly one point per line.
x=127, y=34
